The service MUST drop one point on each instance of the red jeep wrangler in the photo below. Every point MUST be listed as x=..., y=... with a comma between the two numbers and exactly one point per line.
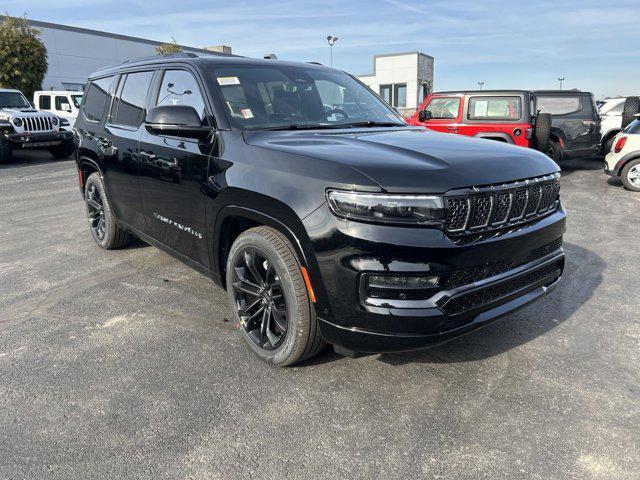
x=503, y=115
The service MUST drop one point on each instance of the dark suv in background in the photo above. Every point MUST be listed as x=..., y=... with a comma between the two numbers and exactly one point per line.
x=561, y=123
x=324, y=216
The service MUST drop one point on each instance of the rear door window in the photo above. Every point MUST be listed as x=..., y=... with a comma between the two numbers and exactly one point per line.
x=494, y=108
x=564, y=105
x=44, y=102
x=129, y=106
x=442, y=108
x=97, y=98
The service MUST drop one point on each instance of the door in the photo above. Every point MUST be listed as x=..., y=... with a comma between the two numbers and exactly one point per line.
x=119, y=144
x=572, y=117
x=173, y=172
x=443, y=113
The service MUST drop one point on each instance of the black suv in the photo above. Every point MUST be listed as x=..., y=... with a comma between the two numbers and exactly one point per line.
x=575, y=122
x=324, y=216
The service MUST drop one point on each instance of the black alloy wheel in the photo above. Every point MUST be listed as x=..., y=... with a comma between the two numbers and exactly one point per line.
x=259, y=299
x=95, y=210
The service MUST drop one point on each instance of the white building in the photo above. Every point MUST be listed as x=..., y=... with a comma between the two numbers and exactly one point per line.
x=74, y=53
x=398, y=78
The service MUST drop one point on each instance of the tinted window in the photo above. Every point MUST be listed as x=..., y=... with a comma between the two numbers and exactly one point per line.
x=385, y=93
x=130, y=105
x=60, y=101
x=77, y=100
x=558, y=105
x=494, y=108
x=444, y=107
x=97, y=97
x=633, y=128
x=180, y=88
x=44, y=102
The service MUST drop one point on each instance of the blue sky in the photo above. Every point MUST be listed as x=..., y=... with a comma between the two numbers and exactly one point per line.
x=506, y=44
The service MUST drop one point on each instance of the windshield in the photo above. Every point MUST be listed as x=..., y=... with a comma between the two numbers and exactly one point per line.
x=77, y=100
x=633, y=128
x=281, y=97
x=13, y=100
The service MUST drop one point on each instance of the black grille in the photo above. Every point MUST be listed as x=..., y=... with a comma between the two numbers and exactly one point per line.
x=465, y=276
x=486, y=209
x=481, y=297
x=544, y=250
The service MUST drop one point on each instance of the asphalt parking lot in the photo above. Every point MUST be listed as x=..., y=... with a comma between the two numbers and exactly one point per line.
x=123, y=364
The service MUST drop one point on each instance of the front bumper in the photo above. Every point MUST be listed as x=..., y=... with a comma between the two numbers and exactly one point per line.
x=39, y=140
x=347, y=250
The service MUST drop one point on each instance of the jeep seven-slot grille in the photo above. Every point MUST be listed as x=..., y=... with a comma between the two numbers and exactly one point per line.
x=37, y=124
x=498, y=206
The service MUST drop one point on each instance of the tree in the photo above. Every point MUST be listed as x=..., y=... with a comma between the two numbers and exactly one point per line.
x=23, y=56
x=169, y=48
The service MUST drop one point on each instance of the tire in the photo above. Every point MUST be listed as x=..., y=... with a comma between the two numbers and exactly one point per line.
x=63, y=151
x=542, y=132
x=606, y=147
x=6, y=152
x=553, y=151
x=102, y=222
x=630, y=174
x=267, y=291
x=631, y=107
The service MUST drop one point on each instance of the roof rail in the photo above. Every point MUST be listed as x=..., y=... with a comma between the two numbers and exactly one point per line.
x=169, y=56
x=315, y=63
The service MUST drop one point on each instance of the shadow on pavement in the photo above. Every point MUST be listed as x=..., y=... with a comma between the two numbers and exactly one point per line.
x=595, y=162
x=23, y=158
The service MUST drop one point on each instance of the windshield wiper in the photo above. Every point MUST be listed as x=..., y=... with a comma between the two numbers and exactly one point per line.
x=296, y=126
x=371, y=123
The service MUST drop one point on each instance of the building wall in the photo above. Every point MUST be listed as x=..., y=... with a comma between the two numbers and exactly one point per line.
x=75, y=53
x=411, y=68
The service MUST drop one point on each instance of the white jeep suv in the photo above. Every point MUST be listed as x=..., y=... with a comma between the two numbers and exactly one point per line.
x=22, y=127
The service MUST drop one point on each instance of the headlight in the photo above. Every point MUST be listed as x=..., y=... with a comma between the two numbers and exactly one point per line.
x=17, y=122
x=64, y=122
x=387, y=208
x=54, y=121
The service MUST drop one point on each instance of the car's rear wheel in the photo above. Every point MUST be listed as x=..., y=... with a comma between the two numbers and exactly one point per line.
x=631, y=175
x=269, y=298
x=6, y=152
x=102, y=223
x=62, y=151
x=553, y=151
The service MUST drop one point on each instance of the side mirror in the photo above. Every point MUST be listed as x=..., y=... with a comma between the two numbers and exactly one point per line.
x=425, y=115
x=176, y=121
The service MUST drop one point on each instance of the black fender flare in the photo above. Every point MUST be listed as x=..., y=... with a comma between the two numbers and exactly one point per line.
x=490, y=135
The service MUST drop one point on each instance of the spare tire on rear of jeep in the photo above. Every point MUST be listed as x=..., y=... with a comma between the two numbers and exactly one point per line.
x=542, y=132
x=631, y=108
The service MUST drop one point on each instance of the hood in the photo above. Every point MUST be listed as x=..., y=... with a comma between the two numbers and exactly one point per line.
x=412, y=159
x=25, y=112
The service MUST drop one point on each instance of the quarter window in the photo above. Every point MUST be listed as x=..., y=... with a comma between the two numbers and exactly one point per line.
x=97, y=97
x=558, y=105
x=444, y=108
x=179, y=87
x=494, y=108
x=129, y=107
x=44, y=102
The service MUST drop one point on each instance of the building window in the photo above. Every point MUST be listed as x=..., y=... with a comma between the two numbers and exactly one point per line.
x=385, y=93
x=394, y=94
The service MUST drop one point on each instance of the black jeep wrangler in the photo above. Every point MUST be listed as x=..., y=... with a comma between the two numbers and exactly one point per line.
x=575, y=122
x=321, y=212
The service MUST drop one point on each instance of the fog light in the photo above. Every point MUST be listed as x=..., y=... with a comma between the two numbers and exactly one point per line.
x=403, y=281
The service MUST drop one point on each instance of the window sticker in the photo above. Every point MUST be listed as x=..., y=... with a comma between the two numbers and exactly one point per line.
x=228, y=81
x=481, y=108
x=246, y=113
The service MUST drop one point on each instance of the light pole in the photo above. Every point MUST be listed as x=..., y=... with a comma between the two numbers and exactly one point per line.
x=481, y=84
x=561, y=79
x=331, y=40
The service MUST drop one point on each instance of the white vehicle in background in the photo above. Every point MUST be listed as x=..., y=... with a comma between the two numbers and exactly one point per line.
x=616, y=113
x=624, y=158
x=64, y=104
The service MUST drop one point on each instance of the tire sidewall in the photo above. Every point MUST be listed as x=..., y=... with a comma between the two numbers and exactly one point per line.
x=109, y=236
x=295, y=312
x=625, y=171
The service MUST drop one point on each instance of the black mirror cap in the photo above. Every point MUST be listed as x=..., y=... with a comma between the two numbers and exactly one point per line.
x=176, y=121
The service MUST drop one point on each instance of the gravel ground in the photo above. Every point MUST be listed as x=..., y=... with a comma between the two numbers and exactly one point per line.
x=123, y=364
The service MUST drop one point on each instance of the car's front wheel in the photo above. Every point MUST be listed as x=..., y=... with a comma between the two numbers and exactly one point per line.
x=553, y=151
x=631, y=175
x=102, y=222
x=269, y=298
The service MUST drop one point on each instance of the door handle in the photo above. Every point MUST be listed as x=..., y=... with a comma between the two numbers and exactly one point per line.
x=106, y=146
x=148, y=156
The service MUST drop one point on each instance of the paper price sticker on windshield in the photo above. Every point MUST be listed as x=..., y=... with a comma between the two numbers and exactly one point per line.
x=246, y=113
x=228, y=81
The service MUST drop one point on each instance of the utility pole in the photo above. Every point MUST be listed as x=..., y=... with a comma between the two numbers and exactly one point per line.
x=561, y=79
x=481, y=84
x=331, y=40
